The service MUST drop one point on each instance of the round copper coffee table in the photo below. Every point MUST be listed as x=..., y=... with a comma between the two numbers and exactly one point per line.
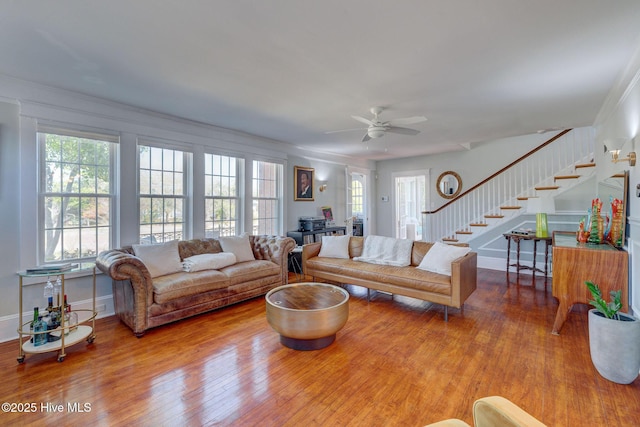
x=307, y=315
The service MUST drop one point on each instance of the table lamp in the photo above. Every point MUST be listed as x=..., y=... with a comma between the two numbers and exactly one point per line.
x=541, y=206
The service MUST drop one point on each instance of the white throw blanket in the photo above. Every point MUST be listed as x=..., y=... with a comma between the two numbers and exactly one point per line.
x=208, y=261
x=386, y=250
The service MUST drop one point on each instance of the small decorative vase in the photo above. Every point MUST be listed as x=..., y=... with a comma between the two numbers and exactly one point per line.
x=615, y=346
x=615, y=234
x=596, y=227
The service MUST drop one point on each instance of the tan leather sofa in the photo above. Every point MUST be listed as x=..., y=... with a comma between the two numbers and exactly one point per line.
x=450, y=291
x=143, y=302
x=494, y=411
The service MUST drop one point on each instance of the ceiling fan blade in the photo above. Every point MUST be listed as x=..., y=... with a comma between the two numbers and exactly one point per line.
x=403, y=131
x=363, y=120
x=343, y=130
x=408, y=120
x=366, y=137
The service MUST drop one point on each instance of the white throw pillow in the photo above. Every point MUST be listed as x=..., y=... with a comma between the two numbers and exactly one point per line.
x=160, y=259
x=239, y=246
x=438, y=258
x=334, y=247
x=208, y=261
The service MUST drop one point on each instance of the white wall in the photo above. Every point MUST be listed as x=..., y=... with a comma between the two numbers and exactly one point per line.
x=9, y=212
x=620, y=118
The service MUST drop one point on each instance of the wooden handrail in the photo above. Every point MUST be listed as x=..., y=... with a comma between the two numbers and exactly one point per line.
x=484, y=181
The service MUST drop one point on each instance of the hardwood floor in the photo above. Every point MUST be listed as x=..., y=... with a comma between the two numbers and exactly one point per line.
x=396, y=362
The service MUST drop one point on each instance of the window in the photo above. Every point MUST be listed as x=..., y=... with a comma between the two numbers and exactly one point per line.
x=222, y=200
x=76, y=194
x=162, y=194
x=357, y=195
x=267, y=198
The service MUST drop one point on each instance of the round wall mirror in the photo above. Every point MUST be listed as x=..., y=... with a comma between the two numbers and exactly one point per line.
x=449, y=184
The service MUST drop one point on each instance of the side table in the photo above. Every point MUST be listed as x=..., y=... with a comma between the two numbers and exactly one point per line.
x=69, y=334
x=517, y=238
x=294, y=262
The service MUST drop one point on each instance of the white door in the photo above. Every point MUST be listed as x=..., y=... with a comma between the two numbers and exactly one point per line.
x=356, y=202
x=410, y=201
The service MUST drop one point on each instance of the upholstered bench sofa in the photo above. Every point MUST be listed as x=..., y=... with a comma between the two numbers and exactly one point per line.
x=435, y=272
x=152, y=288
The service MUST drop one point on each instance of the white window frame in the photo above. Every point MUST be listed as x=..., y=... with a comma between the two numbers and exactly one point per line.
x=186, y=231
x=237, y=197
x=278, y=200
x=42, y=130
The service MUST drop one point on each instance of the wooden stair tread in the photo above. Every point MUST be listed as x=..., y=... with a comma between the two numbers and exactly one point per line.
x=586, y=165
x=449, y=239
x=494, y=216
x=566, y=177
x=523, y=198
x=510, y=207
x=549, y=187
x=478, y=224
x=464, y=232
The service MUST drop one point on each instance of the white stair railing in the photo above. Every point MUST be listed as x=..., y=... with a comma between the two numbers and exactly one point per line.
x=552, y=168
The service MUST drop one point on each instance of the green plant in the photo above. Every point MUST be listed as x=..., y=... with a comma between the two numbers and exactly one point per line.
x=610, y=309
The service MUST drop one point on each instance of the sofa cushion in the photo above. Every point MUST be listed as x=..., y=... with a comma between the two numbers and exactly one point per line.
x=334, y=247
x=239, y=246
x=409, y=277
x=178, y=285
x=440, y=256
x=159, y=259
x=250, y=270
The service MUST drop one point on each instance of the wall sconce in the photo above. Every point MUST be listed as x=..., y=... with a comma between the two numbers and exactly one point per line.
x=322, y=187
x=614, y=146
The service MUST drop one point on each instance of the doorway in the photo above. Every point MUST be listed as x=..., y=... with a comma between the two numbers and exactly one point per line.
x=356, y=202
x=410, y=199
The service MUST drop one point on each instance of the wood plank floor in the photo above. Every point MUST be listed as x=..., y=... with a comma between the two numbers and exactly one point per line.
x=395, y=363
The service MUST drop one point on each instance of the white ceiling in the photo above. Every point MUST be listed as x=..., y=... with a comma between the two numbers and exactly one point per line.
x=292, y=70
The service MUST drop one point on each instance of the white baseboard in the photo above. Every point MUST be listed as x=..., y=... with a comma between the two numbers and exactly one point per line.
x=492, y=263
x=500, y=264
x=9, y=324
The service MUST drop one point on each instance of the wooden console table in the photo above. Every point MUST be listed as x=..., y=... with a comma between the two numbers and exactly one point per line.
x=575, y=263
x=516, y=238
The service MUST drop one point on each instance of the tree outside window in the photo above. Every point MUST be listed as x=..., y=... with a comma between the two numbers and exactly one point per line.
x=76, y=195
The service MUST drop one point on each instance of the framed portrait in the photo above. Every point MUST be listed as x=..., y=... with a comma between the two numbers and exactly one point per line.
x=303, y=184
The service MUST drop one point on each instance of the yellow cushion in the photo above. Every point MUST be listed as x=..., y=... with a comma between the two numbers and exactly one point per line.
x=496, y=411
x=449, y=423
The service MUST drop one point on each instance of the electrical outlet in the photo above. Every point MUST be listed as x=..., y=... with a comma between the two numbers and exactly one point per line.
x=638, y=190
x=100, y=308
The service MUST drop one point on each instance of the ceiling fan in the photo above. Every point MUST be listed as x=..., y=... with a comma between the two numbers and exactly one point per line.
x=377, y=128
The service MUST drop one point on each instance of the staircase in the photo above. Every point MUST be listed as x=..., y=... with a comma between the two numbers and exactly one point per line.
x=552, y=168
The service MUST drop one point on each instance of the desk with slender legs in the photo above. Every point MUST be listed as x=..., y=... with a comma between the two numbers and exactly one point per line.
x=517, y=238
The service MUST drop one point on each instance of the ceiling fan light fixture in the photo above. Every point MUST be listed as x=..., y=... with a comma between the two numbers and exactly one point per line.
x=375, y=132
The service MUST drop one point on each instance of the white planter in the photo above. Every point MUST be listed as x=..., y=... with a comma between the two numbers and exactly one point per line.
x=615, y=346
